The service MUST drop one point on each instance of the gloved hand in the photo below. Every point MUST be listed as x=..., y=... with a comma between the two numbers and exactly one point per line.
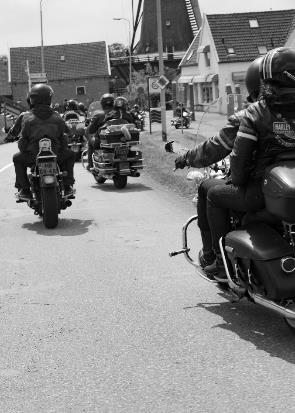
x=180, y=162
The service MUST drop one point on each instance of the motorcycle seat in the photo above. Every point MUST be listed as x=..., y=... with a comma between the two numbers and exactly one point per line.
x=257, y=241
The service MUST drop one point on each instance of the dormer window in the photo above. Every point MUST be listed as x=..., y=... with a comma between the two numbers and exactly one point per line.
x=231, y=50
x=62, y=58
x=168, y=23
x=262, y=50
x=253, y=23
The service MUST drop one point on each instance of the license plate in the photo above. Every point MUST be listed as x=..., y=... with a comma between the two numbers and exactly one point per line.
x=46, y=168
x=122, y=151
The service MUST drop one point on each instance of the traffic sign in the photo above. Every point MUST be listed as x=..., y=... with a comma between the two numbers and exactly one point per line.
x=162, y=82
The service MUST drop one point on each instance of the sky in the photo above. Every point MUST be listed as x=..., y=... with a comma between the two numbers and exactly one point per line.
x=77, y=21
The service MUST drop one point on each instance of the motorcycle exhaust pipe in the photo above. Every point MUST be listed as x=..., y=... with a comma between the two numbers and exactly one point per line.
x=285, y=312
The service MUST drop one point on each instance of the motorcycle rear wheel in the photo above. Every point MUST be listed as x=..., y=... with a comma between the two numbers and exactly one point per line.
x=120, y=181
x=49, y=207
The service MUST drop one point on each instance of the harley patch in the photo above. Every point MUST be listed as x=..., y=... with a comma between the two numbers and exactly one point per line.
x=283, y=128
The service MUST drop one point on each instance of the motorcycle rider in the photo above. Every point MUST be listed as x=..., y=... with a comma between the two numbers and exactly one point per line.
x=107, y=104
x=266, y=130
x=120, y=111
x=211, y=151
x=42, y=121
x=72, y=111
x=82, y=109
x=14, y=131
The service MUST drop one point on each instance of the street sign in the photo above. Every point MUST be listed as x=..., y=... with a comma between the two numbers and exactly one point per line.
x=38, y=77
x=162, y=82
x=153, y=84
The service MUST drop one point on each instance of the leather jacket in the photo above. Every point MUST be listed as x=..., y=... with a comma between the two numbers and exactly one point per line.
x=42, y=121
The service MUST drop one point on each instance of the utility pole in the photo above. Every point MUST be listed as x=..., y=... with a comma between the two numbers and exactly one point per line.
x=42, y=46
x=161, y=70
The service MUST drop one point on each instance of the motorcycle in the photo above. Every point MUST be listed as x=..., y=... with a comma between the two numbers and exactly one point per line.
x=259, y=252
x=140, y=120
x=46, y=185
x=76, y=136
x=118, y=156
x=183, y=121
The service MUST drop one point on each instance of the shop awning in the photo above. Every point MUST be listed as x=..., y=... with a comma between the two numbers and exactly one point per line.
x=210, y=77
x=185, y=79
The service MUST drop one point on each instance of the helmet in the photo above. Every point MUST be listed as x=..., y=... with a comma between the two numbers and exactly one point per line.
x=278, y=66
x=136, y=107
x=72, y=104
x=121, y=103
x=253, y=80
x=81, y=106
x=107, y=101
x=41, y=94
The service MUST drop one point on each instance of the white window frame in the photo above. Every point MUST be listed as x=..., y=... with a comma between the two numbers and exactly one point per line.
x=80, y=94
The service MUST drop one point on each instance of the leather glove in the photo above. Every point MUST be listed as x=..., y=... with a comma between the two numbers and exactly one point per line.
x=180, y=162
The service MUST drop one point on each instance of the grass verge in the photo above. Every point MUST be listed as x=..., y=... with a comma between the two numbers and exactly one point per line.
x=160, y=164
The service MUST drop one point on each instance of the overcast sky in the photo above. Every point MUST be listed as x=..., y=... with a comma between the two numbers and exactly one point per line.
x=75, y=21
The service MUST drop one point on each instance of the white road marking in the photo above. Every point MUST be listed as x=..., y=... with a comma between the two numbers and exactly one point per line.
x=6, y=167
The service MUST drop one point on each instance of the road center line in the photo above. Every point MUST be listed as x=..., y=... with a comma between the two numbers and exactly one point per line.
x=6, y=167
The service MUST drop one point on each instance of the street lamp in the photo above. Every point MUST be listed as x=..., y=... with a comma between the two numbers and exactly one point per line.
x=42, y=48
x=130, y=58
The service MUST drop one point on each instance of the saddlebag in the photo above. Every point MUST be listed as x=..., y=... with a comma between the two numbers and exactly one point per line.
x=279, y=190
x=259, y=249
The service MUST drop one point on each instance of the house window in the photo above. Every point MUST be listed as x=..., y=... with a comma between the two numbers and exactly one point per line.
x=253, y=23
x=207, y=58
x=80, y=90
x=231, y=50
x=262, y=50
x=62, y=58
x=207, y=92
x=168, y=23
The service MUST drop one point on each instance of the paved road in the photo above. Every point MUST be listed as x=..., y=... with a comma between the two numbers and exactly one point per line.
x=95, y=317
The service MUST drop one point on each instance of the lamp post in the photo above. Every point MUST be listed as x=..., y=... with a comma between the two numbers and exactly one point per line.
x=42, y=48
x=130, y=57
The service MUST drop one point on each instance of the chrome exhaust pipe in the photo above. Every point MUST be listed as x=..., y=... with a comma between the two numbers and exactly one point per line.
x=279, y=309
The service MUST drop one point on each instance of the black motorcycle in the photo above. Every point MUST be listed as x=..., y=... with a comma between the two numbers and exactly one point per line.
x=47, y=187
x=259, y=252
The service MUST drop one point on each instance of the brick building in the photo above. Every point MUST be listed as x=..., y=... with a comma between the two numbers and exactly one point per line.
x=5, y=89
x=75, y=71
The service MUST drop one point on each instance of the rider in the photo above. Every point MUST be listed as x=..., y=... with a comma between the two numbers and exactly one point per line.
x=107, y=104
x=72, y=111
x=14, y=131
x=120, y=111
x=212, y=151
x=82, y=109
x=42, y=121
x=266, y=130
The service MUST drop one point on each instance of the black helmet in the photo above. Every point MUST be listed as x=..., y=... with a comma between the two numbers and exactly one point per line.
x=136, y=107
x=121, y=103
x=107, y=101
x=253, y=80
x=81, y=106
x=278, y=67
x=41, y=94
x=72, y=104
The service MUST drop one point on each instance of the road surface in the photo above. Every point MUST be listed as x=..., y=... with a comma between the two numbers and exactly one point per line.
x=95, y=316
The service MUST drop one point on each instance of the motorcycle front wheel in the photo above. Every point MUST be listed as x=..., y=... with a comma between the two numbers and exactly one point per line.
x=120, y=181
x=49, y=207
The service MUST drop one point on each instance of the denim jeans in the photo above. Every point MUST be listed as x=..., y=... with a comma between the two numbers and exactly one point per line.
x=222, y=198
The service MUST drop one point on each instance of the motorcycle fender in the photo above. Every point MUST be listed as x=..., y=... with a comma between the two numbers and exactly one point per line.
x=48, y=181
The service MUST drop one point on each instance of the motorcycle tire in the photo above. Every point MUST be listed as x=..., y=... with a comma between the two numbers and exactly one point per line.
x=120, y=181
x=49, y=207
x=100, y=179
